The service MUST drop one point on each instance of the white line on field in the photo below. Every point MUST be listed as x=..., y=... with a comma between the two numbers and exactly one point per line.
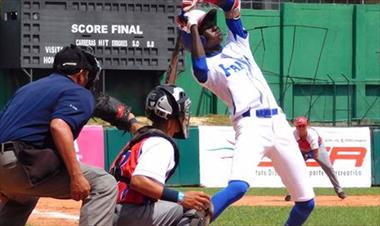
x=55, y=215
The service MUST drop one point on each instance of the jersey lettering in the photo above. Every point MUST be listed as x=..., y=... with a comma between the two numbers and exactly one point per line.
x=238, y=65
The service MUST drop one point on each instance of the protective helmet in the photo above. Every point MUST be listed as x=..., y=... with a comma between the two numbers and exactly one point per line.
x=169, y=102
x=71, y=59
x=207, y=21
x=301, y=121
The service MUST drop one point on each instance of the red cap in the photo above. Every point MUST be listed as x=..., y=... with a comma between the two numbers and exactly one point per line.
x=300, y=121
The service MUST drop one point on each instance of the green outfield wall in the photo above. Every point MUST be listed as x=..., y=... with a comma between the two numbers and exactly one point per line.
x=375, y=136
x=320, y=60
x=367, y=58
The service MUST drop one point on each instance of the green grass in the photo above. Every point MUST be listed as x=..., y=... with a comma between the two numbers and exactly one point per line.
x=321, y=216
x=282, y=191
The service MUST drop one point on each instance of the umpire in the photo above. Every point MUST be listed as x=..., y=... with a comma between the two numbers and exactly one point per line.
x=37, y=157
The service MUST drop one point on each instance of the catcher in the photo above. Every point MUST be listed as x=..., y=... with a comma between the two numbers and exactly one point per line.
x=148, y=161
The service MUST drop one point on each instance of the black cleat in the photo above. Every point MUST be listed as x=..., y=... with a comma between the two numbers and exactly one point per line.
x=287, y=198
x=342, y=195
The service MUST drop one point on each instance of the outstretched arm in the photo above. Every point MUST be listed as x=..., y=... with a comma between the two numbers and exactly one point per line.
x=198, y=55
x=116, y=113
x=231, y=10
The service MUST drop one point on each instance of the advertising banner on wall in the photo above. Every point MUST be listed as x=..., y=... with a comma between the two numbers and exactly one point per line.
x=90, y=146
x=349, y=150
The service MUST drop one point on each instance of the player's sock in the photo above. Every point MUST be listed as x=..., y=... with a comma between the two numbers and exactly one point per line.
x=300, y=213
x=233, y=192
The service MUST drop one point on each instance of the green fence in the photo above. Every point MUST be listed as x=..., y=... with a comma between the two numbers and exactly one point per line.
x=375, y=135
x=114, y=141
x=316, y=54
x=367, y=58
x=320, y=60
x=187, y=172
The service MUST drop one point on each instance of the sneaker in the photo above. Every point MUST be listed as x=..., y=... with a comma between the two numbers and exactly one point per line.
x=342, y=195
x=287, y=198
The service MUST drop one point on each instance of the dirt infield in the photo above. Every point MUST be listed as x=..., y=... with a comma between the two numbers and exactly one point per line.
x=325, y=200
x=66, y=212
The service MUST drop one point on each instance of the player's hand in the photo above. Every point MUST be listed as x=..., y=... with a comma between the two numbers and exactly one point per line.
x=80, y=188
x=187, y=19
x=197, y=200
x=189, y=4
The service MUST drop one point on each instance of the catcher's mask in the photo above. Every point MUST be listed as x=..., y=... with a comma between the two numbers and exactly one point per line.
x=71, y=59
x=208, y=21
x=169, y=102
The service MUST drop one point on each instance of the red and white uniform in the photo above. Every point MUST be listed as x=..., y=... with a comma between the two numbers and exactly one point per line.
x=311, y=142
x=143, y=158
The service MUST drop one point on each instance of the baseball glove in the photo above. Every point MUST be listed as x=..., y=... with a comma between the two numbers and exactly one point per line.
x=200, y=218
x=113, y=111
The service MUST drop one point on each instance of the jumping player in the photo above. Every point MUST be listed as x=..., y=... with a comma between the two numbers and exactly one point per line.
x=312, y=146
x=261, y=129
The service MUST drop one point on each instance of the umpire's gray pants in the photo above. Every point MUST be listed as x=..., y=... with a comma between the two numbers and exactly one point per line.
x=97, y=208
x=325, y=163
x=160, y=213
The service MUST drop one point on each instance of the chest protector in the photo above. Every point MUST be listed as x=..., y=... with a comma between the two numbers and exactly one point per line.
x=126, y=161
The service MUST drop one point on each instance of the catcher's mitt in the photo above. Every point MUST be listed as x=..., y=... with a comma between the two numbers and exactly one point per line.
x=200, y=218
x=113, y=111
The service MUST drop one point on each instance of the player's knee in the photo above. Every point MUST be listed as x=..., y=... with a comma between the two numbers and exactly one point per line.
x=305, y=207
x=238, y=188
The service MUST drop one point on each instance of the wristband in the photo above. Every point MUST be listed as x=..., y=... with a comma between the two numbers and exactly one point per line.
x=169, y=195
x=181, y=197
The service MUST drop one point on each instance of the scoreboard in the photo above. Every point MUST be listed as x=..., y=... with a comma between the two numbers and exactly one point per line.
x=125, y=34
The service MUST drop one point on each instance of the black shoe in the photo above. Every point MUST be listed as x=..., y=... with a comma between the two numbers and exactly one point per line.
x=287, y=198
x=342, y=195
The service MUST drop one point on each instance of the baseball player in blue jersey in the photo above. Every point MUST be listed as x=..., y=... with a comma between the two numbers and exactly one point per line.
x=261, y=129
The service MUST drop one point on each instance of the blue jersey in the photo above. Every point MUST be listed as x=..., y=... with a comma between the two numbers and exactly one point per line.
x=27, y=116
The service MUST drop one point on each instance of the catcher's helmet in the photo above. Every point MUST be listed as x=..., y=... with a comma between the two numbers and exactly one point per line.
x=208, y=20
x=71, y=59
x=169, y=102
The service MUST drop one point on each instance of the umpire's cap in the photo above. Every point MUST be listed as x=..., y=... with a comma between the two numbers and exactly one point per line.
x=71, y=59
